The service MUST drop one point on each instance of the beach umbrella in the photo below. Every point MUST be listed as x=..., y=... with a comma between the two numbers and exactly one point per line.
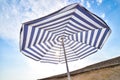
x=68, y=34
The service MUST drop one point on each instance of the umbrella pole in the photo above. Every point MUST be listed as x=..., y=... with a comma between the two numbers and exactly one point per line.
x=68, y=73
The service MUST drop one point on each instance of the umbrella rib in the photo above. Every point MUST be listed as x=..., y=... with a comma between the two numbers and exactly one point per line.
x=82, y=43
x=74, y=52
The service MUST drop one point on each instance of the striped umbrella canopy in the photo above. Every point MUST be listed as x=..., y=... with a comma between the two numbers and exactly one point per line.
x=70, y=33
x=82, y=32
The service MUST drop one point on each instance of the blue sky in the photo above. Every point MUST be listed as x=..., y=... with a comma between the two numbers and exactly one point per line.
x=15, y=66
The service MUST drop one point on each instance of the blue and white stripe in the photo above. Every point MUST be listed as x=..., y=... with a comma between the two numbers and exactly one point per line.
x=84, y=33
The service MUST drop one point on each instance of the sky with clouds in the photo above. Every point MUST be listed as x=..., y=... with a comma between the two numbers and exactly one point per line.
x=15, y=66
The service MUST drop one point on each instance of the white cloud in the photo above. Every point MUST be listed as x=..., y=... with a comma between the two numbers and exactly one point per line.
x=99, y=2
x=88, y=4
x=103, y=15
x=82, y=2
x=15, y=13
x=42, y=8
